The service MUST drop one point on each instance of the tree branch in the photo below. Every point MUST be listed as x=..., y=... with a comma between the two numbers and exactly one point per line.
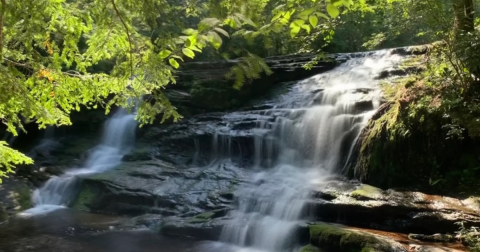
x=128, y=34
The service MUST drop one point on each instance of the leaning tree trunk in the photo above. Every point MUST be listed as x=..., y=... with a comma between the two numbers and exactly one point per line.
x=464, y=15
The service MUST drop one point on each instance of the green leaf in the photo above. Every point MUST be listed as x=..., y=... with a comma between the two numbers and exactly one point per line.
x=191, y=41
x=333, y=10
x=245, y=19
x=313, y=20
x=306, y=27
x=190, y=31
x=337, y=3
x=174, y=63
x=277, y=28
x=322, y=15
x=230, y=22
x=221, y=31
x=294, y=31
x=208, y=23
x=164, y=54
x=277, y=16
x=177, y=57
x=195, y=48
x=189, y=53
x=304, y=14
x=215, y=40
x=299, y=22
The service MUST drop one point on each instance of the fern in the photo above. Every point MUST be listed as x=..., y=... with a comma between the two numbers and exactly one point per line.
x=248, y=69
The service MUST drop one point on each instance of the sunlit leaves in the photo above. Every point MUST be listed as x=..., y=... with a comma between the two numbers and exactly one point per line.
x=221, y=31
x=188, y=52
x=164, y=54
x=9, y=158
x=215, y=39
x=208, y=23
x=333, y=10
x=295, y=27
x=313, y=20
x=189, y=31
x=63, y=56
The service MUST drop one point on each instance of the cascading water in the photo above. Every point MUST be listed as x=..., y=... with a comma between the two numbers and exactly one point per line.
x=305, y=137
x=118, y=138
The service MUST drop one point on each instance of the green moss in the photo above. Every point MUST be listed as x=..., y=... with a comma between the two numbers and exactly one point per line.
x=309, y=248
x=23, y=197
x=367, y=191
x=84, y=198
x=332, y=238
x=203, y=217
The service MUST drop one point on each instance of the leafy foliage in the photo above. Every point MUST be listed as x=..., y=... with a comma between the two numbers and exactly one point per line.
x=9, y=158
x=53, y=52
x=471, y=236
x=249, y=68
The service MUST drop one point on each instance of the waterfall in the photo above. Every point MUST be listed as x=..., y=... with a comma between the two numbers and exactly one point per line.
x=306, y=136
x=118, y=138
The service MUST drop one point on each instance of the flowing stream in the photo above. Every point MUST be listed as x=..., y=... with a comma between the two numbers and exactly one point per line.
x=306, y=136
x=118, y=138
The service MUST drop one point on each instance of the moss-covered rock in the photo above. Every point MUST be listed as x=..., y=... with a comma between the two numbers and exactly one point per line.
x=207, y=216
x=422, y=137
x=203, y=217
x=368, y=192
x=310, y=248
x=335, y=238
x=85, y=198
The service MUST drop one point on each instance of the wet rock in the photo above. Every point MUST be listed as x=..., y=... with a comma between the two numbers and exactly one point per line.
x=420, y=248
x=159, y=187
x=366, y=206
x=40, y=243
x=411, y=50
x=202, y=86
x=335, y=238
x=472, y=202
x=444, y=238
x=14, y=197
x=310, y=248
x=139, y=154
x=209, y=230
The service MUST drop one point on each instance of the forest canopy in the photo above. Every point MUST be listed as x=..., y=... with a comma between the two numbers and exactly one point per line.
x=59, y=56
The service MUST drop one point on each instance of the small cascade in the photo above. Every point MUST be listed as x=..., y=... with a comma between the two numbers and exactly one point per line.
x=118, y=138
x=306, y=136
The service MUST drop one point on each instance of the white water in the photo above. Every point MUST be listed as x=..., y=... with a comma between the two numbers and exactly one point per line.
x=118, y=138
x=305, y=137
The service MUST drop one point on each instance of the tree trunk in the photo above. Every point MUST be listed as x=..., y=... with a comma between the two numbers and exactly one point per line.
x=464, y=15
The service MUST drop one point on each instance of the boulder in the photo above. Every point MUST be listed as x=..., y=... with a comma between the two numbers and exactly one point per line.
x=362, y=205
x=328, y=237
x=159, y=187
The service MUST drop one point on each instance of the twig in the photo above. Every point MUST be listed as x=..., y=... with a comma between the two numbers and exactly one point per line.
x=128, y=34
